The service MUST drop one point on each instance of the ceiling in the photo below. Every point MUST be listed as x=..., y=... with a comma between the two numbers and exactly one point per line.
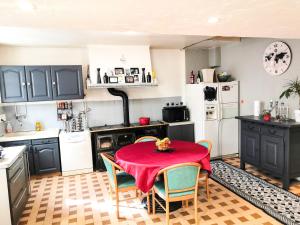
x=158, y=22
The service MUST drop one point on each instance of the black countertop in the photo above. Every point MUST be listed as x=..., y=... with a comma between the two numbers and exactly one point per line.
x=289, y=123
x=121, y=127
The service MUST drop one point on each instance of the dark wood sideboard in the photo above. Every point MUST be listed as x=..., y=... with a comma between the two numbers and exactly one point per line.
x=272, y=146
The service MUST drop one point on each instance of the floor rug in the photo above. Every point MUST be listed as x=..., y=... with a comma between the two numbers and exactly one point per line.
x=280, y=204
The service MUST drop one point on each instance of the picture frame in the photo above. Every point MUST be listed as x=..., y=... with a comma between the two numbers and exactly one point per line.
x=119, y=71
x=129, y=79
x=113, y=79
x=134, y=70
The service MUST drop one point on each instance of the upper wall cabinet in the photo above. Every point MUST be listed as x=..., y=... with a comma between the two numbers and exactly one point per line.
x=39, y=86
x=40, y=83
x=13, y=84
x=67, y=82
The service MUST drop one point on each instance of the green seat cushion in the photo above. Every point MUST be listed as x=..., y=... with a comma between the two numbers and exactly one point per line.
x=125, y=180
x=160, y=186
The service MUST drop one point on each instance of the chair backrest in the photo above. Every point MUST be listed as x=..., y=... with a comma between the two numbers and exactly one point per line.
x=146, y=139
x=206, y=143
x=181, y=177
x=110, y=166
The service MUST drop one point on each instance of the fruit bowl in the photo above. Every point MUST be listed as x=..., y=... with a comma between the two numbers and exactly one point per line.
x=163, y=145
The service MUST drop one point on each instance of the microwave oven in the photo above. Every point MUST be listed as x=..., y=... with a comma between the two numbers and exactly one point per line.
x=173, y=114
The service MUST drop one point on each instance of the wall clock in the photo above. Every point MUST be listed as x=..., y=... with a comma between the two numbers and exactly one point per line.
x=277, y=58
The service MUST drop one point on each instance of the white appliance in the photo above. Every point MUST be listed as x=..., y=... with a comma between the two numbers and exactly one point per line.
x=213, y=107
x=76, y=152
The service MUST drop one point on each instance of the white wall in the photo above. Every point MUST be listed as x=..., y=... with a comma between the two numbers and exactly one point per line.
x=195, y=59
x=244, y=61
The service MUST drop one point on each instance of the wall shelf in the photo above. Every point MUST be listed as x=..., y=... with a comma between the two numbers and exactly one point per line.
x=126, y=85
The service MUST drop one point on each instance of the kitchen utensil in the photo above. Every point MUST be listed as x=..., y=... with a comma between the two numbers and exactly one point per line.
x=144, y=121
x=223, y=78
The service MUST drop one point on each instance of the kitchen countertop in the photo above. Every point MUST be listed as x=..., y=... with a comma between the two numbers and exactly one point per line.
x=120, y=126
x=288, y=124
x=10, y=155
x=30, y=135
x=180, y=123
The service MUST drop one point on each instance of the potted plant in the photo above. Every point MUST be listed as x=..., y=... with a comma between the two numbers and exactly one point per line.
x=293, y=88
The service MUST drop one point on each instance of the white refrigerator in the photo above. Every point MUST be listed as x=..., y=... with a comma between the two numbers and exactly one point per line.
x=213, y=107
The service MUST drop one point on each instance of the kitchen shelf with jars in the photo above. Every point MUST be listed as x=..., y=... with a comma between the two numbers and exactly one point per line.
x=120, y=77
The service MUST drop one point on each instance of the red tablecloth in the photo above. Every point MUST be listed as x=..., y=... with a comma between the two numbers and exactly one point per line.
x=143, y=162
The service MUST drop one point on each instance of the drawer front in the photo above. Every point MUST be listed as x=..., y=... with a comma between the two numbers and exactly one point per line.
x=44, y=141
x=14, y=168
x=249, y=126
x=18, y=207
x=276, y=131
x=17, y=183
x=15, y=143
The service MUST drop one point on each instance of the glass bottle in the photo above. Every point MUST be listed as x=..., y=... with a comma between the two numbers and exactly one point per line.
x=198, y=77
x=88, y=78
x=98, y=76
x=105, y=78
x=143, y=75
x=192, y=78
x=149, y=78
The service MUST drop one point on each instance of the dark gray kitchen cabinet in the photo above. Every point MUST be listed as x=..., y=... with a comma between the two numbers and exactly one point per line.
x=67, y=82
x=271, y=146
x=181, y=131
x=39, y=87
x=46, y=158
x=272, y=154
x=250, y=144
x=28, y=151
x=13, y=84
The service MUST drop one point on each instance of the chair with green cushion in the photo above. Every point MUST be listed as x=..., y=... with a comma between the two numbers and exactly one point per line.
x=180, y=183
x=146, y=138
x=119, y=182
x=203, y=177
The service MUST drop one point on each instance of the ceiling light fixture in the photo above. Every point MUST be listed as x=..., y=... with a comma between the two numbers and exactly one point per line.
x=213, y=19
x=26, y=5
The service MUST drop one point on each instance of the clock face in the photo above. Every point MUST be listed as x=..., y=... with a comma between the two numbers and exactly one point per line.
x=277, y=58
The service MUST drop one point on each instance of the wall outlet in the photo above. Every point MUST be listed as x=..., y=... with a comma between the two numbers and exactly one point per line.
x=2, y=117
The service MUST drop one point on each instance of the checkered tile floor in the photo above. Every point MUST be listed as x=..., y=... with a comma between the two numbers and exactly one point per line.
x=84, y=199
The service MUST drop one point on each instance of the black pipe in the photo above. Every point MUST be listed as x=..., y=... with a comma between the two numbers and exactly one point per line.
x=124, y=97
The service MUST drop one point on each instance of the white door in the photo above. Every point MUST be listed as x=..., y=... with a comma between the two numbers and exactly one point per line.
x=228, y=136
x=229, y=92
x=211, y=133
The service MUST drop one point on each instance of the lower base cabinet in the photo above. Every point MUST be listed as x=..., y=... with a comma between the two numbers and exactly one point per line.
x=46, y=158
x=18, y=186
x=181, y=131
x=43, y=154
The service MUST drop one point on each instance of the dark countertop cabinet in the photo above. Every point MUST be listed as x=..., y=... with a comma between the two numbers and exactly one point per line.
x=181, y=131
x=271, y=146
x=40, y=83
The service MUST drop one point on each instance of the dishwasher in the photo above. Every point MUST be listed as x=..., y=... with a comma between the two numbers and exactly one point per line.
x=75, y=152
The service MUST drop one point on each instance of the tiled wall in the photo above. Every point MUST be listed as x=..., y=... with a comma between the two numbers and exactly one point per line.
x=106, y=112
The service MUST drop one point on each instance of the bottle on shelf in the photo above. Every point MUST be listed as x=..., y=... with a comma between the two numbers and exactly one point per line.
x=192, y=78
x=98, y=76
x=143, y=75
x=198, y=77
x=154, y=76
x=105, y=78
x=88, y=78
x=149, y=78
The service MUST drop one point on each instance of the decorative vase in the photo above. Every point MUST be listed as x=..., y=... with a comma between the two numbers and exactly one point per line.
x=297, y=115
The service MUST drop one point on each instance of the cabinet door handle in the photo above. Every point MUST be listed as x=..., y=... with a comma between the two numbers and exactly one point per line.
x=28, y=84
x=272, y=131
x=23, y=83
x=53, y=83
x=250, y=127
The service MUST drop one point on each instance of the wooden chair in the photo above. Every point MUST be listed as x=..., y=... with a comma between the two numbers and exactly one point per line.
x=203, y=177
x=119, y=182
x=180, y=184
x=146, y=138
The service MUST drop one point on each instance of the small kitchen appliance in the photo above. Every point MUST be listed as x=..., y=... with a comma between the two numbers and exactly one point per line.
x=144, y=121
x=175, y=113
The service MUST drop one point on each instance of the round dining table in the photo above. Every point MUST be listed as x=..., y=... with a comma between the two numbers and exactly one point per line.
x=143, y=161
